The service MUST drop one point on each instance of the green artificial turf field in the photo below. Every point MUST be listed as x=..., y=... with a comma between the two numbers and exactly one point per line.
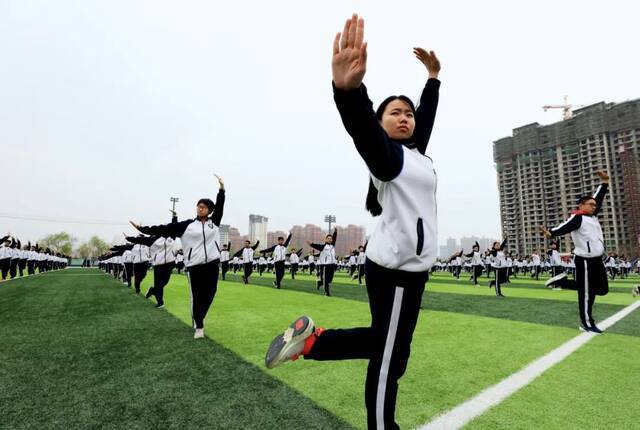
x=79, y=350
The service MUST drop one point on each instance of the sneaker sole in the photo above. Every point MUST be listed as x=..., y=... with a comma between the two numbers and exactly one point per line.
x=281, y=347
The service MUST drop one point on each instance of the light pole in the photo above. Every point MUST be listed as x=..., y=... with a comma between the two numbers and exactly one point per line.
x=330, y=219
x=174, y=200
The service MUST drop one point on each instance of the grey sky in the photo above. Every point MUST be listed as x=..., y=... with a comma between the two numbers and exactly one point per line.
x=109, y=108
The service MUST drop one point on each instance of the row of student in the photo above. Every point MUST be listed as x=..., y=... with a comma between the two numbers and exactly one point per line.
x=17, y=260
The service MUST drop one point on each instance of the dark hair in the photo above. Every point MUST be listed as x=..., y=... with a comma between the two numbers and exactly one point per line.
x=584, y=199
x=385, y=103
x=280, y=238
x=208, y=203
x=371, y=203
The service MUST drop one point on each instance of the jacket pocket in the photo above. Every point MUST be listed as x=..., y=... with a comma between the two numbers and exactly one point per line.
x=189, y=256
x=588, y=247
x=420, y=231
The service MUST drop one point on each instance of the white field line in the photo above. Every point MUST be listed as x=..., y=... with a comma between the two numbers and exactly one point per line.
x=494, y=395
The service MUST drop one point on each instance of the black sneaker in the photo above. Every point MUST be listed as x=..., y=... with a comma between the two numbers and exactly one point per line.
x=289, y=345
x=160, y=306
x=149, y=293
x=318, y=284
x=595, y=329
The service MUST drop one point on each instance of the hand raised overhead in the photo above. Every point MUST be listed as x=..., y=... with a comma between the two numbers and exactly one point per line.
x=429, y=59
x=349, y=62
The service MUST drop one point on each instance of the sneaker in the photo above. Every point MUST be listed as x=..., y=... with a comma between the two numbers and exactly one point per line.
x=149, y=293
x=583, y=328
x=635, y=291
x=318, y=284
x=274, y=284
x=288, y=345
x=199, y=334
x=160, y=306
x=595, y=329
x=555, y=279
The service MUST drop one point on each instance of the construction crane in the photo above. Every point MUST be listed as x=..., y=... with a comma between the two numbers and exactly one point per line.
x=566, y=108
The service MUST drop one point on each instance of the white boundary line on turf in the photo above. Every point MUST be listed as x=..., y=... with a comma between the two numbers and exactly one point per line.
x=494, y=395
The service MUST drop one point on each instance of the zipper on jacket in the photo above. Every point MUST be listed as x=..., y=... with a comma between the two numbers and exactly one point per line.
x=204, y=244
x=420, y=230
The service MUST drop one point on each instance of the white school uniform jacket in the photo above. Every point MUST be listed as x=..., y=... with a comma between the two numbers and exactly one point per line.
x=127, y=256
x=406, y=235
x=140, y=253
x=327, y=255
x=247, y=255
x=294, y=259
x=535, y=259
x=279, y=253
x=352, y=260
x=224, y=256
x=361, y=257
x=162, y=251
x=5, y=252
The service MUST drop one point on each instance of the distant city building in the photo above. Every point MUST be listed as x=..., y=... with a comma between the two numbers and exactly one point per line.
x=224, y=233
x=349, y=239
x=258, y=230
x=543, y=170
x=235, y=239
x=467, y=242
x=301, y=235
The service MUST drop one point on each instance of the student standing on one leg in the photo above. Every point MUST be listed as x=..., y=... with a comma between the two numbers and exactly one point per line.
x=476, y=263
x=401, y=250
x=499, y=264
x=327, y=261
x=163, y=261
x=140, y=259
x=294, y=260
x=279, y=254
x=360, y=260
x=200, y=239
x=5, y=256
x=535, y=261
x=224, y=260
x=586, y=234
x=247, y=259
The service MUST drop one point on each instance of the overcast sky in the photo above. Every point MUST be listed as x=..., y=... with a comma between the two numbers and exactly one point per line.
x=109, y=108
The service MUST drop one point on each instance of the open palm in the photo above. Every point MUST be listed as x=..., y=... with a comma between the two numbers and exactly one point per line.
x=349, y=62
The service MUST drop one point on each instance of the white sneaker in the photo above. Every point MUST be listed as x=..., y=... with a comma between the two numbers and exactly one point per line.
x=289, y=345
x=555, y=279
x=199, y=334
x=635, y=291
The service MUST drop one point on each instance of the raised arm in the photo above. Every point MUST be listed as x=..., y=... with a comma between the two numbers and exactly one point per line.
x=573, y=223
x=349, y=62
x=503, y=244
x=218, y=211
x=335, y=236
x=142, y=240
x=426, y=111
x=239, y=253
x=601, y=190
x=268, y=250
x=317, y=246
x=174, y=229
x=256, y=245
x=286, y=242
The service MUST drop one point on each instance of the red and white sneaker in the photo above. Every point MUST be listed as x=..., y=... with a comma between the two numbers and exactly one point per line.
x=292, y=343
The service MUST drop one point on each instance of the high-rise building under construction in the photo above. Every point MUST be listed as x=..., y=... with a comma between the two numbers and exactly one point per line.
x=543, y=170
